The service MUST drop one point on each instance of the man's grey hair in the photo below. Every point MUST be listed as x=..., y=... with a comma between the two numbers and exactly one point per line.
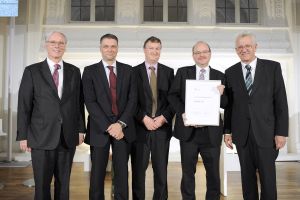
x=48, y=35
x=201, y=42
x=246, y=34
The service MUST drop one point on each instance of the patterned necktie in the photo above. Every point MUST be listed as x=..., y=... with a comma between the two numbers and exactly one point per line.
x=153, y=85
x=113, y=90
x=55, y=75
x=201, y=77
x=248, y=79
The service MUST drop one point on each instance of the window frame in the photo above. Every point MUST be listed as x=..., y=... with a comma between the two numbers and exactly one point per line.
x=92, y=13
x=238, y=15
x=165, y=14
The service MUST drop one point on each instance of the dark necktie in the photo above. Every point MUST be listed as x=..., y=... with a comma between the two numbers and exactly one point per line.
x=201, y=77
x=153, y=85
x=55, y=75
x=248, y=79
x=113, y=90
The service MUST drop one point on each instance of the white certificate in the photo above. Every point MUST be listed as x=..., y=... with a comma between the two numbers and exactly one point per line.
x=202, y=102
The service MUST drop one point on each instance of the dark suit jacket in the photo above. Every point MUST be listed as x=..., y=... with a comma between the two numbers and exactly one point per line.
x=98, y=102
x=42, y=114
x=266, y=108
x=177, y=100
x=165, y=76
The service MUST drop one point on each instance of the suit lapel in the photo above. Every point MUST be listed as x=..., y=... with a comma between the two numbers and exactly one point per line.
x=144, y=77
x=45, y=71
x=212, y=74
x=103, y=79
x=120, y=76
x=240, y=77
x=257, y=77
x=192, y=72
x=68, y=73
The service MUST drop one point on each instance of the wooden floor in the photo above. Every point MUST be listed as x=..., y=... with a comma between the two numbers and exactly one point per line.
x=288, y=181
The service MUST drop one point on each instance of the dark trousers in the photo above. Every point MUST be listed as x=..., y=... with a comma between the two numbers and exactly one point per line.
x=199, y=143
x=99, y=158
x=49, y=163
x=158, y=147
x=253, y=159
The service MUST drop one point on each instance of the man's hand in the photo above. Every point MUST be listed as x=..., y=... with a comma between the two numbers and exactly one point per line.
x=150, y=123
x=23, y=146
x=221, y=89
x=115, y=130
x=160, y=120
x=184, y=120
x=228, y=141
x=280, y=141
x=81, y=138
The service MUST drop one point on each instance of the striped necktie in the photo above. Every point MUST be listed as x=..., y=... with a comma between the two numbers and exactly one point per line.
x=248, y=79
x=201, y=77
x=55, y=75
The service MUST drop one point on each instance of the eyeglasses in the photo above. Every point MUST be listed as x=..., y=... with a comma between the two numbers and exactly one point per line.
x=247, y=47
x=54, y=43
x=201, y=52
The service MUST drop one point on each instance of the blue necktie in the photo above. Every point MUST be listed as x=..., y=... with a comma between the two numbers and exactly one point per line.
x=248, y=79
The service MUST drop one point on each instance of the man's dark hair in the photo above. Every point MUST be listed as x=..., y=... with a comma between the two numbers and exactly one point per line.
x=109, y=36
x=152, y=39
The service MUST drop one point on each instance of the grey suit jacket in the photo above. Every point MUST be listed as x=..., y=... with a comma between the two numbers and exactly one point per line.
x=177, y=100
x=265, y=110
x=98, y=102
x=42, y=115
x=165, y=76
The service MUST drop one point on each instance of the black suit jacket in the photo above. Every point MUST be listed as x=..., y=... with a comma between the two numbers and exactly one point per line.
x=177, y=100
x=42, y=114
x=165, y=76
x=266, y=108
x=98, y=102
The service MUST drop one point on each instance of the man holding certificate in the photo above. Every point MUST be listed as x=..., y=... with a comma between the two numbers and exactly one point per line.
x=205, y=136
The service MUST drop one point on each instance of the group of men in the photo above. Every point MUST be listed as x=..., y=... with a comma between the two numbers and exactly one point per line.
x=131, y=111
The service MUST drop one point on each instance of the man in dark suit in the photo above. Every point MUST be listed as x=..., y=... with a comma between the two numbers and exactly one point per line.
x=153, y=121
x=51, y=118
x=205, y=140
x=110, y=98
x=256, y=116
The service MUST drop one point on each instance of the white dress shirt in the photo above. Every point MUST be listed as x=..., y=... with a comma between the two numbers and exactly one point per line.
x=60, y=74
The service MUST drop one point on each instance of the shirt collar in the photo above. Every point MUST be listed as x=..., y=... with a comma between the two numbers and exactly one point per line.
x=105, y=64
x=252, y=64
x=149, y=65
x=51, y=64
x=206, y=68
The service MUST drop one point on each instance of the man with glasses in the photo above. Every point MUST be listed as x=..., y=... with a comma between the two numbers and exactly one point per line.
x=256, y=118
x=51, y=118
x=153, y=121
x=205, y=140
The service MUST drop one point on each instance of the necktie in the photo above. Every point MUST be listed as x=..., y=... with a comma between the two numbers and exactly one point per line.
x=113, y=90
x=153, y=85
x=248, y=79
x=55, y=75
x=201, y=77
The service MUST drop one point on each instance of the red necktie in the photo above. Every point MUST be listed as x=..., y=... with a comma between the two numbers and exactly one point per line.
x=55, y=74
x=113, y=90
